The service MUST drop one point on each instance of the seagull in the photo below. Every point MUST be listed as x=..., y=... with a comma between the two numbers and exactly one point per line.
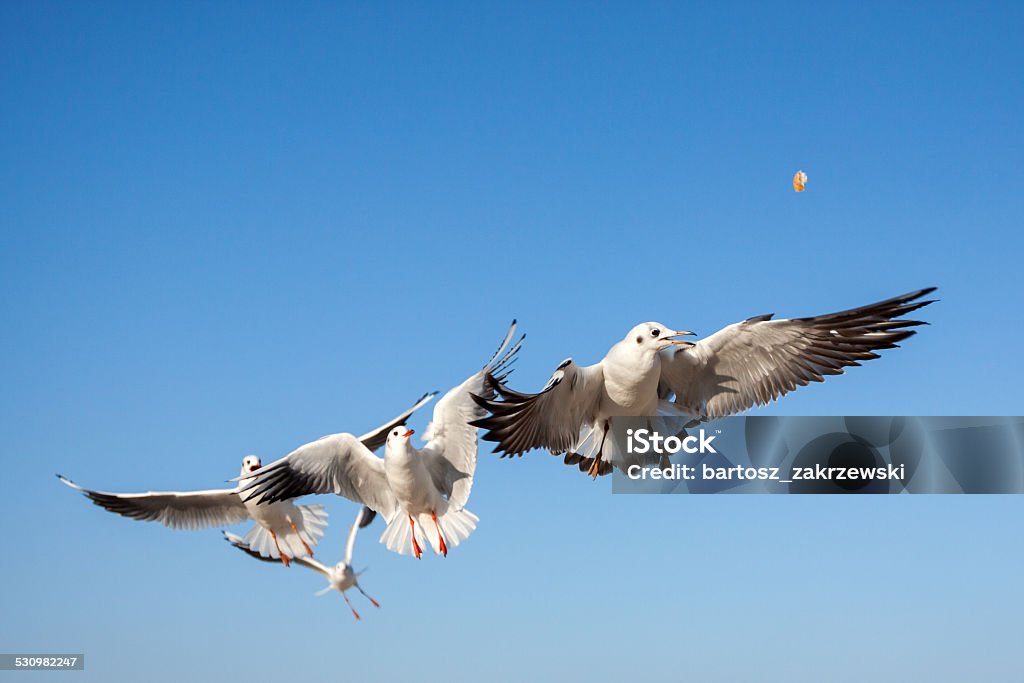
x=419, y=492
x=653, y=372
x=295, y=527
x=341, y=576
x=282, y=530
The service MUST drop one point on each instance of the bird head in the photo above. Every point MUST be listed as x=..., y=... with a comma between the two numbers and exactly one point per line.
x=655, y=337
x=343, y=576
x=399, y=436
x=250, y=464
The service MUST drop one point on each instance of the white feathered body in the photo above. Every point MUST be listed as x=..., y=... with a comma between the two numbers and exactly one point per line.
x=631, y=376
x=342, y=577
x=418, y=496
x=411, y=483
x=629, y=388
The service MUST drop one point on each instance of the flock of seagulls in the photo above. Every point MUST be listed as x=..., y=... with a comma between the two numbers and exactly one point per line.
x=421, y=493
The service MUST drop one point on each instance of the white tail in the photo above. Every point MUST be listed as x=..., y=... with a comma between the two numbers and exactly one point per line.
x=311, y=528
x=397, y=536
x=456, y=525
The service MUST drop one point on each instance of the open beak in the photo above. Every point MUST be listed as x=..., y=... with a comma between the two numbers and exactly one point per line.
x=681, y=333
x=408, y=433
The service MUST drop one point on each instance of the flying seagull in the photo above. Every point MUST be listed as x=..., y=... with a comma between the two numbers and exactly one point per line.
x=341, y=576
x=283, y=530
x=745, y=364
x=421, y=493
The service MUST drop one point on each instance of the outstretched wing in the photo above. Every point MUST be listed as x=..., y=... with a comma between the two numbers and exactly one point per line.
x=362, y=520
x=450, y=451
x=239, y=543
x=758, y=360
x=379, y=436
x=338, y=464
x=551, y=419
x=174, y=509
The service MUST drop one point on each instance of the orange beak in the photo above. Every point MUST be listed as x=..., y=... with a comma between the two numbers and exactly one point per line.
x=408, y=433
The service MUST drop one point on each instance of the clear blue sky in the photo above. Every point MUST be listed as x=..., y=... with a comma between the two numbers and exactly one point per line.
x=230, y=228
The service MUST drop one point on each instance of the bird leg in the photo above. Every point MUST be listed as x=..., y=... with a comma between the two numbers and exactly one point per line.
x=354, y=612
x=595, y=467
x=284, y=558
x=444, y=548
x=301, y=540
x=360, y=588
x=416, y=550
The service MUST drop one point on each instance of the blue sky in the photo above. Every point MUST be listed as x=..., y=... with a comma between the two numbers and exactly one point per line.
x=232, y=228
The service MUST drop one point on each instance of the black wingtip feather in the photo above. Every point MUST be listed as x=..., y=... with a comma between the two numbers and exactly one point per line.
x=366, y=517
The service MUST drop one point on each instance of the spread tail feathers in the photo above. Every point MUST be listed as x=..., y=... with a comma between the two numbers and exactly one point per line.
x=311, y=528
x=456, y=525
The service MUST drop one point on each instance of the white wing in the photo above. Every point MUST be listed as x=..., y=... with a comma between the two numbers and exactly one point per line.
x=174, y=509
x=363, y=519
x=379, y=436
x=760, y=359
x=239, y=543
x=552, y=419
x=450, y=450
x=338, y=464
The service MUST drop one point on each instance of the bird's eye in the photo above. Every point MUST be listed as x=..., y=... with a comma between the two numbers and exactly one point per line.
x=639, y=340
x=655, y=333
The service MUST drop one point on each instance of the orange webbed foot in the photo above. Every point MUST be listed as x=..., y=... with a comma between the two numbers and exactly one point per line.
x=416, y=550
x=442, y=546
x=302, y=540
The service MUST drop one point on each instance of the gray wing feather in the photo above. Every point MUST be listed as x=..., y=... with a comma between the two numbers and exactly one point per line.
x=451, y=438
x=239, y=543
x=338, y=464
x=552, y=418
x=758, y=360
x=379, y=436
x=174, y=509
